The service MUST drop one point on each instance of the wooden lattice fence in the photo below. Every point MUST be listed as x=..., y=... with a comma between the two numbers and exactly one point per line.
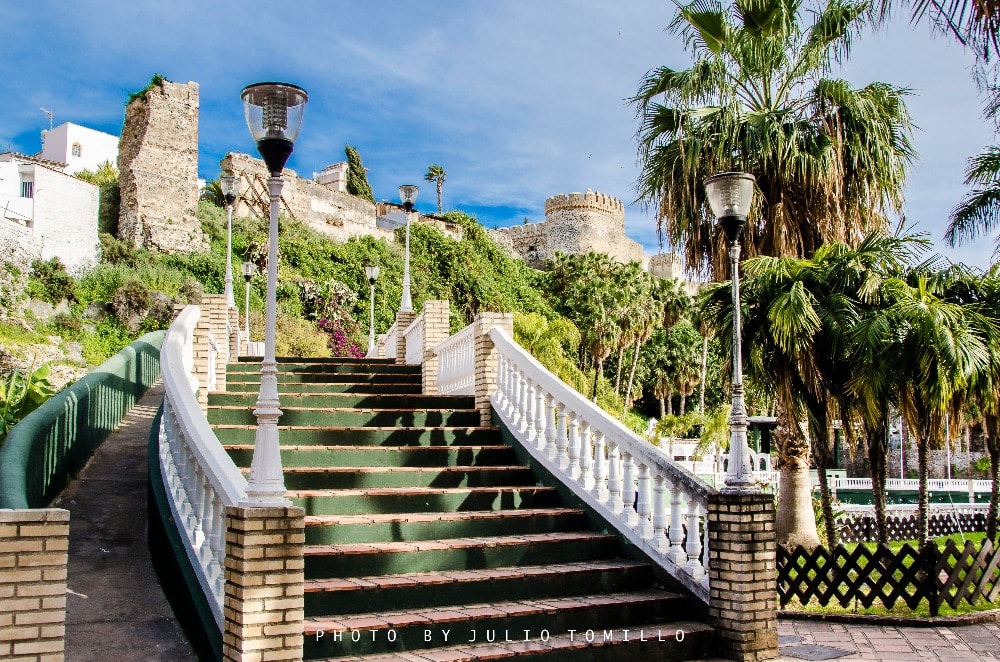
x=952, y=575
x=859, y=527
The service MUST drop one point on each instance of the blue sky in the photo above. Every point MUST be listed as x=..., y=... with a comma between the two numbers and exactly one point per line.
x=518, y=99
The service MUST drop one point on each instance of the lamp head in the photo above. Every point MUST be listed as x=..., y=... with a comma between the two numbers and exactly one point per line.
x=408, y=194
x=274, y=115
x=249, y=270
x=230, y=188
x=729, y=195
x=371, y=271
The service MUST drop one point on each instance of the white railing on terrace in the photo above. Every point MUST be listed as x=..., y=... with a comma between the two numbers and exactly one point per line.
x=414, y=338
x=199, y=477
x=213, y=363
x=387, y=347
x=649, y=499
x=906, y=509
x=457, y=363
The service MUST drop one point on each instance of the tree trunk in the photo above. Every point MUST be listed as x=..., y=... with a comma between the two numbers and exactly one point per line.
x=991, y=433
x=670, y=402
x=683, y=403
x=618, y=370
x=923, y=510
x=795, y=523
x=704, y=374
x=821, y=453
x=597, y=375
x=440, y=188
x=878, y=454
x=663, y=407
x=631, y=375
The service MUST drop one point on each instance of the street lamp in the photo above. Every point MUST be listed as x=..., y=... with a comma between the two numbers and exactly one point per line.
x=230, y=191
x=729, y=195
x=408, y=194
x=274, y=115
x=249, y=271
x=371, y=271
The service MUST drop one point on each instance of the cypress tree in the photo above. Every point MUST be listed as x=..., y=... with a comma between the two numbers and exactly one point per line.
x=357, y=180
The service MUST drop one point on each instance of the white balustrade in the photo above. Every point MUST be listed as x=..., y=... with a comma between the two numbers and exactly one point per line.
x=413, y=336
x=199, y=477
x=652, y=501
x=387, y=344
x=213, y=363
x=457, y=363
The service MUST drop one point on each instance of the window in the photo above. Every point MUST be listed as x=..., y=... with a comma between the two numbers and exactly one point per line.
x=77, y=149
x=27, y=189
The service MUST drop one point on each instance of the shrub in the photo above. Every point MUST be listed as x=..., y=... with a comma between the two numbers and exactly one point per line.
x=115, y=251
x=109, y=338
x=49, y=281
x=298, y=337
x=130, y=304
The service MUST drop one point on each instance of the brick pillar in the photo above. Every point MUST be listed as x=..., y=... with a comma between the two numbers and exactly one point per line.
x=743, y=599
x=33, y=555
x=486, y=359
x=404, y=318
x=263, y=608
x=436, y=331
x=212, y=320
x=234, y=333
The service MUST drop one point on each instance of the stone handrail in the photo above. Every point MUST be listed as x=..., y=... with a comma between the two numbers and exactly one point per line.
x=198, y=476
x=640, y=491
x=414, y=337
x=457, y=363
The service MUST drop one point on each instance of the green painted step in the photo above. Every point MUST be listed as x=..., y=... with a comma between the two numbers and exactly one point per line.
x=376, y=593
x=327, y=368
x=473, y=553
x=413, y=387
x=354, y=478
x=472, y=621
x=366, y=436
x=422, y=499
x=327, y=378
x=401, y=527
x=320, y=360
x=344, y=400
x=328, y=417
x=379, y=456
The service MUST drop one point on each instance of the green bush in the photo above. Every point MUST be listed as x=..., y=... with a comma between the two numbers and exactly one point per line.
x=49, y=281
x=109, y=338
x=130, y=304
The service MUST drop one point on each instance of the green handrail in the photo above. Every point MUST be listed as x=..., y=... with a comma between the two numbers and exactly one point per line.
x=53, y=442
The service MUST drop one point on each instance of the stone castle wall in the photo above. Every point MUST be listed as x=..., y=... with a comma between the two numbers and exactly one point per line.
x=158, y=166
x=333, y=213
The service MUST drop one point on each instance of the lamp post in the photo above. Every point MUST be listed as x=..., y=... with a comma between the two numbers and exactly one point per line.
x=729, y=195
x=249, y=271
x=274, y=115
x=230, y=190
x=408, y=194
x=371, y=271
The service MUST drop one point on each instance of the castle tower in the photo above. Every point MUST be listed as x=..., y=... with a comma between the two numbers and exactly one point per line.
x=585, y=222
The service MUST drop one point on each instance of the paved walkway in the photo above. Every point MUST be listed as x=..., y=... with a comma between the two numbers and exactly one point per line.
x=115, y=609
x=812, y=640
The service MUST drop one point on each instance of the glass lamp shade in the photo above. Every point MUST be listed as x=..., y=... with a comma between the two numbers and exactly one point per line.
x=249, y=270
x=729, y=195
x=408, y=194
x=230, y=187
x=274, y=115
x=371, y=272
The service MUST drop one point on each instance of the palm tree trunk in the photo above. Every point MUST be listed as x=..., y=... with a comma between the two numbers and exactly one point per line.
x=597, y=374
x=440, y=187
x=663, y=407
x=631, y=374
x=670, y=402
x=618, y=370
x=878, y=453
x=923, y=510
x=704, y=374
x=795, y=523
x=821, y=455
x=992, y=434
x=683, y=403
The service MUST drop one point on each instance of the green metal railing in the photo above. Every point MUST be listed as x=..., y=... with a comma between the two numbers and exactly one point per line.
x=53, y=443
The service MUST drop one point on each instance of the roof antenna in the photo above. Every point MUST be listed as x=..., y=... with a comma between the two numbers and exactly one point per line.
x=49, y=114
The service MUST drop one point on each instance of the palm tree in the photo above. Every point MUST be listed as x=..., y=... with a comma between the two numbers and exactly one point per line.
x=436, y=174
x=830, y=160
x=979, y=211
x=974, y=23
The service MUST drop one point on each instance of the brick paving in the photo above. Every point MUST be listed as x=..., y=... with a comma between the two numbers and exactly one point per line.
x=814, y=640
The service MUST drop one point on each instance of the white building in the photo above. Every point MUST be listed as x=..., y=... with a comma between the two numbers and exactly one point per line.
x=78, y=147
x=46, y=213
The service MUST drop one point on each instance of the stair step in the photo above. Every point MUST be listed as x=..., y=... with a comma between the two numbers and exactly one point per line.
x=348, y=400
x=400, y=527
x=350, y=559
x=331, y=416
x=348, y=478
x=380, y=456
x=414, y=590
x=327, y=368
x=422, y=499
x=319, y=360
x=290, y=379
x=412, y=387
x=470, y=623
x=375, y=436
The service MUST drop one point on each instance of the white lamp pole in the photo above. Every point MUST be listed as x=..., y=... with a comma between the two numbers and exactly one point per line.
x=729, y=195
x=249, y=271
x=408, y=194
x=371, y=271
x=230, y=189
x=274, y=116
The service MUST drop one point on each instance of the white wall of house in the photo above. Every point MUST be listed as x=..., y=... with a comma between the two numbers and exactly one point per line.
x=79, y=147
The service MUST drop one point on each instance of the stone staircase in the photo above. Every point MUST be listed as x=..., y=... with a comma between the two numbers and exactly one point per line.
x=426, y=539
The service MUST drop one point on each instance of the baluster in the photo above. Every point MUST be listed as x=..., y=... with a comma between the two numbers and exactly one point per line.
x=704, y=544
x=643, y=506
x=505, y=385
x=561, y=440
x=693, y=546
x=600, y=489
x=551, y=435
x=614, y=478
x=628, y=490
x=516, y=417
x=573, y=451
x=660, y=541
x=530, y=417
x=676, y=531
x=541, y=421
x=586, y=457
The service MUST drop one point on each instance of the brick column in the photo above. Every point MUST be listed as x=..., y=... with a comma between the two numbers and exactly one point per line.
x=234, y=334
x=404, y=318
x=743, y=600
x=33, y=555
x=436, y=331
x=486, y=359
x=263, y=607
x=212, y=320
